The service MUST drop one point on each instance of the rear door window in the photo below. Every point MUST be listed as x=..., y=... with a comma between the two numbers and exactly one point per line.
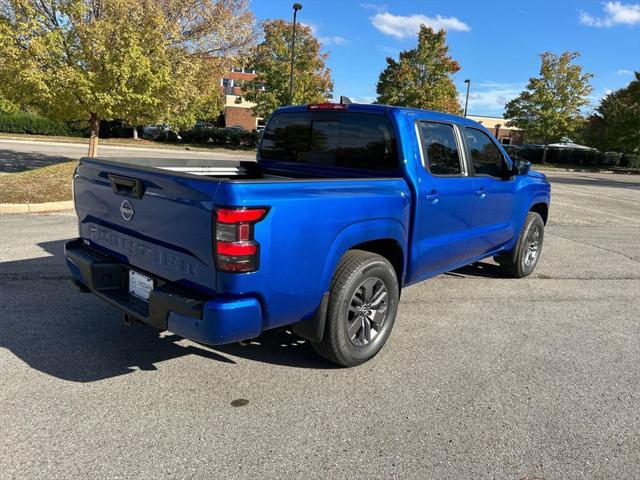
x=440, y=148
x=335, y=139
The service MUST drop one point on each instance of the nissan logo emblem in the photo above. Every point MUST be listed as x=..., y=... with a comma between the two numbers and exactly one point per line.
x=126, y=210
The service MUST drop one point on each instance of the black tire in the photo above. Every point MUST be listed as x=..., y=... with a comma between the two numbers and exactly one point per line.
x=357, y=274
x=519, y=262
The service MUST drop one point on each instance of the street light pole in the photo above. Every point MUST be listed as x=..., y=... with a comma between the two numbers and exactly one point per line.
x=466, y=102
x=296, y=7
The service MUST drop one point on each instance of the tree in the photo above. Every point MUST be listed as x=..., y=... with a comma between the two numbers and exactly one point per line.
x=7, y=106
x=272, y=60
x=550, y=106
x=421, y=78
x=615, y=125
x=137, y=60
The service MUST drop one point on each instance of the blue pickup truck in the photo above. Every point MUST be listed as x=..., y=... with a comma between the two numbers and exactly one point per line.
x=345, y=206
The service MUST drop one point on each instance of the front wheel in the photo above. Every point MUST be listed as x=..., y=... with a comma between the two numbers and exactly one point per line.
x=363, y=302
x=522, y=260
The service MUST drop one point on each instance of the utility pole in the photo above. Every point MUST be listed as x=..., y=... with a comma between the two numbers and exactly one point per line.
x=296, y=7
x=466, y=102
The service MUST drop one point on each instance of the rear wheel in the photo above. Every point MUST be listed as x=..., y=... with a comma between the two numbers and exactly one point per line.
x=363, y=302
x=522, y=260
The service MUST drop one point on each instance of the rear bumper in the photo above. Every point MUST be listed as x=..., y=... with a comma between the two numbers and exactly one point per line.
x=211, y=321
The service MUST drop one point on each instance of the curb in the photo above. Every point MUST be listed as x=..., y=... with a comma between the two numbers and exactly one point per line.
x=10, y=208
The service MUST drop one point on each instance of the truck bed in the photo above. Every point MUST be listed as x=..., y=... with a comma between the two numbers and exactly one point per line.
x=171, y=233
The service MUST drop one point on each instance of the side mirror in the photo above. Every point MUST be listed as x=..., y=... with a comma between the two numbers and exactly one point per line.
x=521, y=167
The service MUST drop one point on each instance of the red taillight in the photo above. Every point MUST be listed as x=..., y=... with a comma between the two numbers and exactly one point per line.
x=238, y=215
x=235, y=248
x=327, y=106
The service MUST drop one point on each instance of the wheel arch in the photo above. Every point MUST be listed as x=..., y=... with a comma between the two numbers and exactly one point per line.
x=542, y=209
x=389, y=249
x=384, y=237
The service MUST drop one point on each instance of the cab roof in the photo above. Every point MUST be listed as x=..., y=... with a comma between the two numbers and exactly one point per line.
x=382, y=109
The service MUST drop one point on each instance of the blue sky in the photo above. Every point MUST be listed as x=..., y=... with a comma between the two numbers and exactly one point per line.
x=496, y=43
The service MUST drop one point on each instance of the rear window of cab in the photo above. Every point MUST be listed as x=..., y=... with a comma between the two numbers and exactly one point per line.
x=334, y=139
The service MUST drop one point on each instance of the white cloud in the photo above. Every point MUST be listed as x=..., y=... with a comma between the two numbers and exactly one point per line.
x=489, y=98
x=615, y=13
x=311, y=26
x=378, y=7
x=364, y=99
x=335, y=40
x=399, y=26
x=329, y=40
x=623, y=73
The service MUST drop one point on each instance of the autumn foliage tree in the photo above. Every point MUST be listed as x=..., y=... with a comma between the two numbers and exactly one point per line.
x=271, y=58
x=549, y=107
x=421, y=78
x=615, y=124
x=137, y=60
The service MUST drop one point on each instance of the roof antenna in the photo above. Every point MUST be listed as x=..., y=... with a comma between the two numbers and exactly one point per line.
x=345, y=100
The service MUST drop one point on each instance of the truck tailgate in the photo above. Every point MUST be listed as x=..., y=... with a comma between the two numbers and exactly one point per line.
x=158, y=221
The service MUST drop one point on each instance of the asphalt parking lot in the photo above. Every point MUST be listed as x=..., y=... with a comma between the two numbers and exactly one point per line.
x=483, y=377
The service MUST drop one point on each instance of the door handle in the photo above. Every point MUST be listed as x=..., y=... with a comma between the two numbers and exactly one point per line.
x=481, y=193
x=433, y=196
x=129, y=187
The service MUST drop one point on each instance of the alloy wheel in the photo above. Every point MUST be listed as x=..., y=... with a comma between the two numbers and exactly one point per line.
x=367, y=312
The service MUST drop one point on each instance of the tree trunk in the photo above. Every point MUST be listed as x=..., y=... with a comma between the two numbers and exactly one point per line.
x=544, y=152
x=94, y=129
x=135, y=133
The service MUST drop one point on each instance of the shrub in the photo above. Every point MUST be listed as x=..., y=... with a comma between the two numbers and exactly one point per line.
x=569, y=156
x=531, y=153
x=116, y=129
x=20, y=122
x=630, y=161
x=612, y=159
x=220, y=136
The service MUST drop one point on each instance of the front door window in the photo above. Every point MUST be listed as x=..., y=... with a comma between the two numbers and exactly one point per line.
x=485, y=155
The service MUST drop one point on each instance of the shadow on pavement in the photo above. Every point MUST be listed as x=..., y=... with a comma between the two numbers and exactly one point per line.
x=586, y=181
x=12, y=161
x=479, y=269
x=74, y=336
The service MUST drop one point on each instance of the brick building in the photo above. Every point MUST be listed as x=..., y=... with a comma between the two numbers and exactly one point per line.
x=496, y=125
x=237, y=111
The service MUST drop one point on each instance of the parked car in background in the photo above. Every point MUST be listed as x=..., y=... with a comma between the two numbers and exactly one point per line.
x=203, y=124
x=345, y=206
x=237, y=128
x=155, y=130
